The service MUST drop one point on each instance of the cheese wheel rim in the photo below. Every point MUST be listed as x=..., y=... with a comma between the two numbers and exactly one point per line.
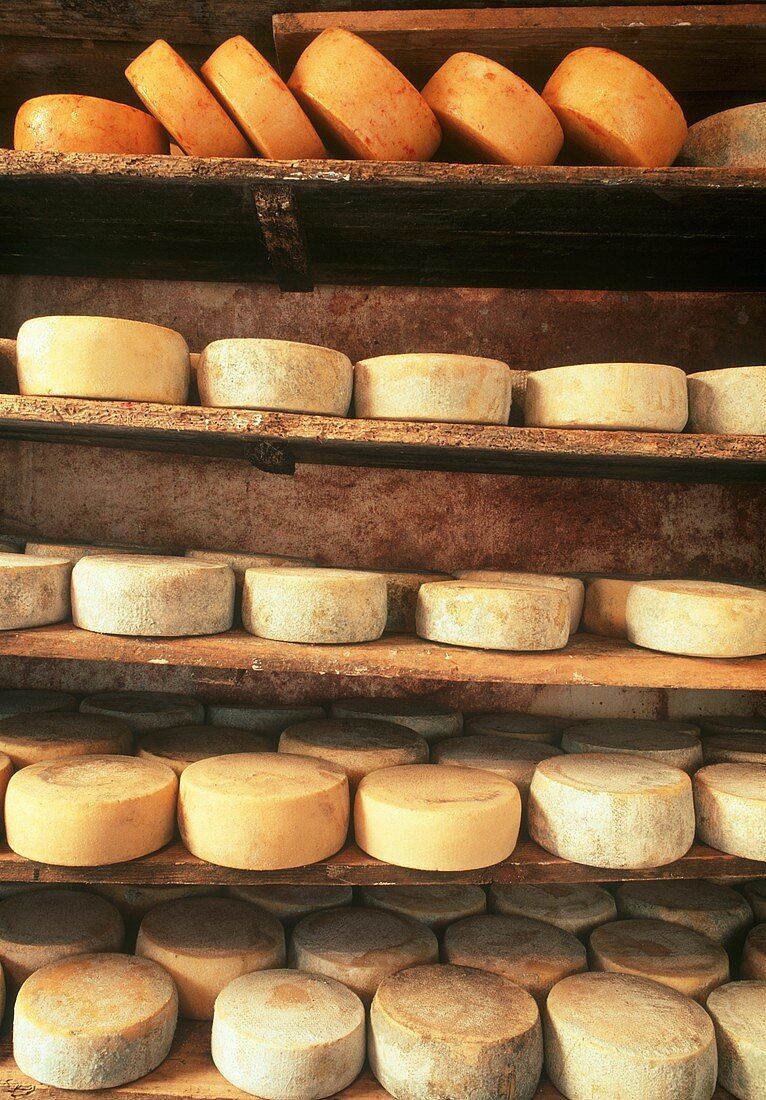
x=85, y=124
x=738, y=1010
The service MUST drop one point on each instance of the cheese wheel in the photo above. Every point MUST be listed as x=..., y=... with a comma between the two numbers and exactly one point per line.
x=731, y=401
x=608, y=396
x=433, y=721
x=738, y=1011
x=634, y=1037
x=134, y=902
x=8, y=546
x=292, y=903
x=240, y=562
x=614, y=111
x=730, y=800
x=491, y=116
x=73, y=551
x=676, y=743
x=6, y=771
x=106, y=358
x=714, y=910
x=32, y=738
x=205, y=943
x=152, y=597
x=283, y=1035
x=573, y=586
x=454, y=1031
x=729, y=139
x=513, y=760
x=178, y=99
x=85, y=124
x=574, y=907
x=605, y=602
x=267, y=719
x=180, y=746
x=754, y=954
x=329, y=606
x=519, y=727
x=145, y=710
x=94, y=1021
x=356, y=747
x=437, y=906
x=361, y=947
x=734, y=749
x=611, y=810
x=437, y=819
x=31, y=701
x=485, y=615
x=275, y=374
x=364, y=105
x=261, y=104
x=531, y=953
x=402, y=594
x=755, y=893
x=263, y=811
x=86, y=811
x=39, y=928
x=33, y=591
x=737, y=725
x=697, y=618
x=454, y=389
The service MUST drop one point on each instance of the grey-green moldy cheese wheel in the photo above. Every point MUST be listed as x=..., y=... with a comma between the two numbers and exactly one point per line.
x=33, y=591
x=734, y=725
x=433, y=721
x=21, y=701
x=738, y=1011
x=266, y=718
x=575, y=907
x=728, y=139
x=733, y=748
x=437, y=906
x=714, y=910
x=146, y=710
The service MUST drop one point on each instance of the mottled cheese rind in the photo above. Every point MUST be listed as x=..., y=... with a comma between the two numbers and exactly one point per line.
x=755, y=893
x=731, y=401
x=73, y=551
x=573, y=586
x=33, y=591
x=146, y=710
x=85, y=124
x=729, y=139
x=327, y=606
x=608, y=396
x=738, y=1011
x=32, y=738
x=134, y=902
x=730, y=802
x=697, y=618
x=574, y=907
x=240, y=561
x=433, y=721
x=402, y=592
x=356, y=746
x=485, y=615
x=713, y=909
x=437, y=906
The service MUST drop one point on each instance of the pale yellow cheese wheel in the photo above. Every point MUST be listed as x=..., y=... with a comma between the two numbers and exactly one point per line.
x=731, y=401
x=608, y=396
x=263, y=811
x=520, y=727
x=328, y=606
x=713, y=909
x=755, y=893
x=670, y=742
x=134, y=902
x=728, y=139
x=433, y=721
x=402, y=593
x=180, y=746
x=754, y=955
x=107, y=358
x=32, y=738
x=738, y=1011
x=292, y=903
x=355, y=746
x=146, y=710
x=513, y=760
x=437, y=819
x=86, y=811
x=734, y=748
x=437, y=906
x=205, y=943
x=456, y=389
x=73, y=551
x=573, y=586
x=484, y=615
x=85, y=124
x=33, y=591
x=697, y=618
x=31, y=701
x=575, y=907
x=269, y=719
x=730, y=802
x=605, y=601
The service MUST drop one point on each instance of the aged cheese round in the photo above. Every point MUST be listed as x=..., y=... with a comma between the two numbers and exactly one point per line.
x=437, y=819
x=573, y=586
x=754, y=954
x=146, y=710
x=402, y=593
x=733, y=725
x=205, y=943
x=697, y=618
x=94, y=1021
x=355, y=746
x=73, y=551
x=611, y=810
x=614, y=111
x=107, y=358
x=729, y=139
x=42, y=927
x=454, y=1031
x=85, y=124
x=331, y=606
x=31, y=701
x=485, y=615
x=6, y=771
x=730, y=800
x=738, y=1011
x=293, y=903
x=755, y=893
x=180, y=746
x=708, y=907
x=608, y=396
x=731, y=401
x=433, y=721
x=361, y=947
x=33, y=591
x=734, y=748
x=513, y=760
x=520, y=727
x=676, y=743
x=263, y=811
x=604, y=611
x=283, y=1035
x=153, y=597
x=134, y=902
x=631, y=1036
x=437, y=906
x=267, y=719
x=32, y=738
x=456, y=389
x=86, y=811
x=574, y=907
x=178, y=99
x=361, y=102
x=275, y=374
x=531, y=953
x=261, y=104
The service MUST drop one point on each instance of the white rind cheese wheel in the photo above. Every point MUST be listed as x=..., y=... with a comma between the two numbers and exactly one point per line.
x=729, y=139
x=754, y=954
x=20, y=701
x=152, y=597
x=327, y=606
x=485, y=615
x=355, y=746
x=738, y=1011
x=94, y=1021
x=263, y=811
x=436, y=906
x=730, y=801
x=574, y=907
x=734, y=749
x=531, y=953
x=180, y=746
x=86, y=811
x=437, y=819
x=278, y=375
x=85, y=124
x=267, y=719
x=106, y=358
x=453, y=389
x=134, y=902
x=453, y=1031
x=731, y=401
x=519, y=727
x=675, y=743
x=292, y=903
x=755, y=892
x=611, y=810
x=32, y=738
x=573, y=586
x=697, y=618
x=631, y=1036
x=608, y=396
x=284, y=1035
x=433, y=721
x=146, y=710
x=402, y=593
x=33, y=591
x=513, y=760
x=605, y=603
x=205, y=943
x=361, y=947
x=709, y=908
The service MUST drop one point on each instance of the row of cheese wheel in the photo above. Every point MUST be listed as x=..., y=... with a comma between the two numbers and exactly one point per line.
x=116, y=359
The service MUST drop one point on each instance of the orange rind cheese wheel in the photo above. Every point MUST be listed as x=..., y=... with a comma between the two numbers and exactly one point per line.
x=85, y=124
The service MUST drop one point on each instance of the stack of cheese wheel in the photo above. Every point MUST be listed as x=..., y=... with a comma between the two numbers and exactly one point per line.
x=144, y=711
x=738, y=1011
x=575, y=907
x=33, y=738
x=433, y=721
x=180, y=746
x=490, y=615
x=715, y=910
x=608, y=396
x=357, y=747
x=33, y=591
x=671, y=742
x=292, y=903
x=85, y=124
x=730, y=801
x=437, y=906
x=269, y=720
x=573, y=586
x=731, y=401
x=519, y=727
x=729, y=139
x=697, y=618
x=329, y=606
x=605, y=603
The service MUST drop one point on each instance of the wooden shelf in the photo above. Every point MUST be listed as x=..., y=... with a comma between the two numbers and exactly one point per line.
x=277, y=441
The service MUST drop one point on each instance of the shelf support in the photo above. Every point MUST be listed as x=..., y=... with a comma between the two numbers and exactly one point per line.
x=283, y=235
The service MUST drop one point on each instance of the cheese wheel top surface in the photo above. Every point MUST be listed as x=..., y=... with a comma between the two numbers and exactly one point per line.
x=670, y=742
x=30, y=738
x=657, y=949
x=57, y=917
x=532, y=727
x=732, y=748
x=267, y=719
x=180, y=746
x=533, y=953
x=603, y=773
x=745, y=781
x=94, y=779
x=516, y=760
x=427, y=787
x=733, y=139
x=144, y=710
x=85, y=124
x=693, y=902
x=209, y=926
x=73, y=551
x=14, y=701
x=365, y=937
x=29, y=563
x=434, y=905
x=573, y=586
x=632, y=727
x=355, y=745
x=575, y=907
x=135, y=901
x=269, y=775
